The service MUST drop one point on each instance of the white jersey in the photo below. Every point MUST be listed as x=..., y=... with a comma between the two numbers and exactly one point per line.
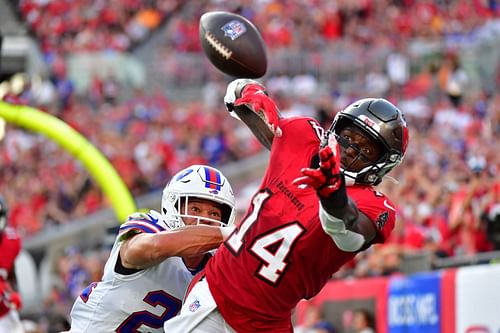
x=138, y=302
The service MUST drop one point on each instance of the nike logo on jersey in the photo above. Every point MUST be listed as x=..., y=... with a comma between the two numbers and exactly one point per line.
x=389, y=206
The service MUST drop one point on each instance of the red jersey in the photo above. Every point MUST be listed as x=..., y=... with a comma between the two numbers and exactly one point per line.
x=279, y=253
x=10, y=245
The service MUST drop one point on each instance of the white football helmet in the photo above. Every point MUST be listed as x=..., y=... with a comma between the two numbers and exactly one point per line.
x=199, y=181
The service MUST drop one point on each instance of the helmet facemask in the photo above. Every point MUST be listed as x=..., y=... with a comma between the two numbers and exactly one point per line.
x=182, y=205
x=390, y=133
x=370, y=170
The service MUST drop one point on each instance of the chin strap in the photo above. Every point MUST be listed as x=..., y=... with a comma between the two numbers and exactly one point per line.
x=349, y=177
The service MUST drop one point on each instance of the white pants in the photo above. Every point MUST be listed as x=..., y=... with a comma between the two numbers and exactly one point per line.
x=11, y=323
x=199, y=314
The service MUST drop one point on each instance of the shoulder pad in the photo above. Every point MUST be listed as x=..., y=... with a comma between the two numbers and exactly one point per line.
x=151, y=222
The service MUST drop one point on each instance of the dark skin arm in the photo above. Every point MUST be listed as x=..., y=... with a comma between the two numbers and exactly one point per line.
x=355, y=221
x=146, y=250
x=254, y=118
x=256, y=124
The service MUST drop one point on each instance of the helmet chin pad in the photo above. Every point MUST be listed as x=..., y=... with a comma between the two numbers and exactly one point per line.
x=367, y=176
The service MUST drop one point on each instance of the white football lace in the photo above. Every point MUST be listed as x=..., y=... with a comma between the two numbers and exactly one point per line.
x=214, y=42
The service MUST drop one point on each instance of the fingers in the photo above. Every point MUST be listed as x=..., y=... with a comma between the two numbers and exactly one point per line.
x=334, y=145
x=335, y=148
x=329, y=161
x=271, y=114
x=315, y=173
x=303, y=182
x=310, y=178
x=262, y=103
x=325, y=154
x=248, y=100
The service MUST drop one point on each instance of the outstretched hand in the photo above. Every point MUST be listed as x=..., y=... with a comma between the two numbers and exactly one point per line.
x=327, y=178
x=254, y=96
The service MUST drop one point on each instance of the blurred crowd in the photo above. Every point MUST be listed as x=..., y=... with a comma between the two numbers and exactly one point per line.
x=146, y=138
x=65, y=27
x=447, y=189
x=339, y=36
x=284, y=25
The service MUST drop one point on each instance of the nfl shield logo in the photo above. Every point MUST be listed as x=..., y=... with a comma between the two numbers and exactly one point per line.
x=194, y=306
x=234, y=29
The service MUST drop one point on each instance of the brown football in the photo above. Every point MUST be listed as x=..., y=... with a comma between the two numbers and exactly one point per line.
x=233, y=44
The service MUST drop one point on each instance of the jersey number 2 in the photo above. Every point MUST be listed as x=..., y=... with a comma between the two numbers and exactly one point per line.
x=148, y=319
x=272, y=248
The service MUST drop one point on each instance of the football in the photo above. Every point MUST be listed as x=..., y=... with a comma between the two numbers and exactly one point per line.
x=233, y=44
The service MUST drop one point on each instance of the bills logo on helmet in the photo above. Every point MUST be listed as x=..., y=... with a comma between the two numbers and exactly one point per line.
x=234, y=29
x=213, y=179
x=194, y=306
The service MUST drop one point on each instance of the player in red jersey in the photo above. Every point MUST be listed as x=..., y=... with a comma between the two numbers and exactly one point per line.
x=315, y=209
x=10, y=301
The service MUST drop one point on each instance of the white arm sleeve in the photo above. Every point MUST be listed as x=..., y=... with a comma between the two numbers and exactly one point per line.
x=346, y=240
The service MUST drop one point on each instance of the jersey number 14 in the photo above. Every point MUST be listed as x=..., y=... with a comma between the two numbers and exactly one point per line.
x=271, y=248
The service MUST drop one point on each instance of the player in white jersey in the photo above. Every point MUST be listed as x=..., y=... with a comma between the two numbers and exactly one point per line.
x=156, y=255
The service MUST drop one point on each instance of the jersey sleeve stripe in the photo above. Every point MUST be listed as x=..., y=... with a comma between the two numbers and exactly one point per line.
x=138, y=227
x=135, y=227
x=151, y=228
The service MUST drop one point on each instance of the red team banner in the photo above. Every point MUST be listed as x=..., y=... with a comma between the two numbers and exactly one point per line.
x=340, y=298
x=464, y=300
